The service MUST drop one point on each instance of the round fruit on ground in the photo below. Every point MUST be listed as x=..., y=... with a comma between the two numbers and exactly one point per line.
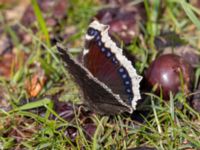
x=166, y=72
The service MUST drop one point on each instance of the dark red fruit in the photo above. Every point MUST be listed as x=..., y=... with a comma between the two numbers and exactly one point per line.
x=166, y=72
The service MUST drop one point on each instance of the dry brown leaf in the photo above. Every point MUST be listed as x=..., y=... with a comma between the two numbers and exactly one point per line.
x=35, y=83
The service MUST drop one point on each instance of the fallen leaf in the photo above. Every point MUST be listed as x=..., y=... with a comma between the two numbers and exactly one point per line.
x=35, y=83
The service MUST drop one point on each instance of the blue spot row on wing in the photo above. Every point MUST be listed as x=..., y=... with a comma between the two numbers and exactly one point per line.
x=127, y=82
x=122, y=71
x=96, y=34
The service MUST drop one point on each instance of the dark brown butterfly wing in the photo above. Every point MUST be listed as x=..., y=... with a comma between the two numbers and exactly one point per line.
x=106, y=62
x=104, y=68
x=96, y=94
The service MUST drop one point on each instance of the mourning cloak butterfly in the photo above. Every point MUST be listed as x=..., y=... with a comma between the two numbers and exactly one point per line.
x=107, y=78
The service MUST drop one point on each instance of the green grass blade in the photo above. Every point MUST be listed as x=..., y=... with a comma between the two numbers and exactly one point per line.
x=41, y=21
x=190, y=13
x=33, y=105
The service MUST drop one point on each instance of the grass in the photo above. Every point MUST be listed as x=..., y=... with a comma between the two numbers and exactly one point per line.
x=41, y=22
x=29, y=124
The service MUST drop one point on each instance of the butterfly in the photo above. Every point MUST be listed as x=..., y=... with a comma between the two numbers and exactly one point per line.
x=109, y=82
